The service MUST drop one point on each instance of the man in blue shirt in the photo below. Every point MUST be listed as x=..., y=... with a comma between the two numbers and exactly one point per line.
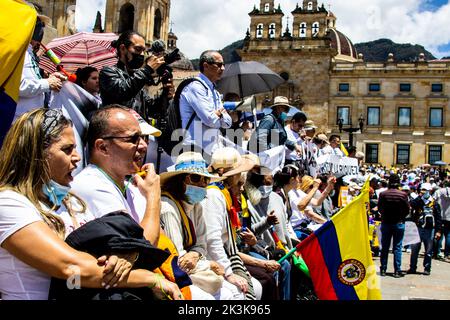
x=202, y=98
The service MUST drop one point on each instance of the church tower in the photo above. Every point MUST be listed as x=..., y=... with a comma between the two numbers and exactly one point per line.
x=310, y=21
x=266, y=22
x=149, y=18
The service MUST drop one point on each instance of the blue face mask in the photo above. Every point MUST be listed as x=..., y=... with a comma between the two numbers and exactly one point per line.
x=283, y=116
x=55, y=192
x=194, y=194
x=265, y=191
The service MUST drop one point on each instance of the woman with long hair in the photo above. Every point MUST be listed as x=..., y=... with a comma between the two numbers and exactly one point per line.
x=36, y=209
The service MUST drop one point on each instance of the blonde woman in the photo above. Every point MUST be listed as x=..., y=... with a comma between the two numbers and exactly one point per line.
x=36, y=164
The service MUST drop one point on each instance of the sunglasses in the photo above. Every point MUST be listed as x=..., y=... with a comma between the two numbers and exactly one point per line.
x=131, y=139
x=196, y=179
x=218, y=64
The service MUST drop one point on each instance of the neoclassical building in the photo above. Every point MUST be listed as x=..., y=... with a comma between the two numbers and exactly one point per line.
x=404, y=107
x=150, y=17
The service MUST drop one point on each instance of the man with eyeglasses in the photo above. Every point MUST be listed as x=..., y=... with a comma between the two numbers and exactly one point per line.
x=117, y=178
x=125, y=82
x=202, y=99
x=110, y=183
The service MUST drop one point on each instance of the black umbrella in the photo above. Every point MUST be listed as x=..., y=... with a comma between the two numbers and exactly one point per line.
x=247, y=78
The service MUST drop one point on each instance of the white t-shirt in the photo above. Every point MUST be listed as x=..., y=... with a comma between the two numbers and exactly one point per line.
x=298, y=217
x=18, y=281
x=295, y=137
x=103, y=196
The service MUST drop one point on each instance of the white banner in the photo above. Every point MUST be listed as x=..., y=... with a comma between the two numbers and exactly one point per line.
x=76, y=103
x=339, y=166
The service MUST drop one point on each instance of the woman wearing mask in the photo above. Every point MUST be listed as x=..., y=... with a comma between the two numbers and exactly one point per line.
x=37, y=211
x=183, y=222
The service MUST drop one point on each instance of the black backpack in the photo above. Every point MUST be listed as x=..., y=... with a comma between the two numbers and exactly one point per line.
x=173, y=118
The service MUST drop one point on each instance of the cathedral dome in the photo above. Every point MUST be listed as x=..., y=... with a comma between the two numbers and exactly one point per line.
x=183, y=64
x=346, y=51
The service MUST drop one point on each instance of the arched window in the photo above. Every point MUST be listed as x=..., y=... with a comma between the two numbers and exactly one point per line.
x=315, y=29
x=302, y=33
x=259, y=31
x=157, y=24
x=267, y=7
x=126, y=18
x=310, y=6
x=272, y=30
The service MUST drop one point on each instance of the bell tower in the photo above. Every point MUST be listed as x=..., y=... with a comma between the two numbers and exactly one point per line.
x=310, y=21
x=266, y=22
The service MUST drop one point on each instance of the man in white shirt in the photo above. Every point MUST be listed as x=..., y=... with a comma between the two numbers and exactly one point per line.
x=33, y=88
x=295, y=133
x=334, y=147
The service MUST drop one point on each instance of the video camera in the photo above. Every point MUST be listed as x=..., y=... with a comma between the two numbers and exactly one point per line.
x=165, y=71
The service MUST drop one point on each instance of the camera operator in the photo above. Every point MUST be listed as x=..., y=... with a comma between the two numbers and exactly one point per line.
x=124, y=83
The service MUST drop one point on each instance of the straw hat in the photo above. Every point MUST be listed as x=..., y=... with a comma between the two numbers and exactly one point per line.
x=190, y=163
x=281, y=101
x=231, y=161
x=323, y=137
x=309, y=125
x=145, y=127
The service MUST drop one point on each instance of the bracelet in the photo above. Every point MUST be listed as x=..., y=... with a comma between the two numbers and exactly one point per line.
x=158, y=278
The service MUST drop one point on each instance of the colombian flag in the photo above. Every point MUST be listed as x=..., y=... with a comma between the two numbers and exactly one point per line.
x=338, y=255
x=344, y=150
x=17, y=21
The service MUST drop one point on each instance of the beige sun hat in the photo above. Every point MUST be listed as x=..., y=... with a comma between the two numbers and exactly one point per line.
x=309, y=125
x=231, y=161
x=190, y=163
x=323, y=137
x=281, y=101
x=145, y=127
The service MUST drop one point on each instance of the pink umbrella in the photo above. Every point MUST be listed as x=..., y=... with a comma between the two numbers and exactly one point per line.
x=81, y=50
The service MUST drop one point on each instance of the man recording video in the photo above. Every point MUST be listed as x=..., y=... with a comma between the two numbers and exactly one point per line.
x=124, y=83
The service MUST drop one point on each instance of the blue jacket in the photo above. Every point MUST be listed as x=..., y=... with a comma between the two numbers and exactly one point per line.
x=271, y=127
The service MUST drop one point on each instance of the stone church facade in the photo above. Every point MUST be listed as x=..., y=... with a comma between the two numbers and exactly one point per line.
x=404, y=107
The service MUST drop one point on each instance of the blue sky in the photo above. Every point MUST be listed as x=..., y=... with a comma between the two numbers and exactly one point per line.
x=213, y=24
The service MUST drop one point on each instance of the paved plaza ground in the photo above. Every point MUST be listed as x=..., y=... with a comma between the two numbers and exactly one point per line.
x=416, y=286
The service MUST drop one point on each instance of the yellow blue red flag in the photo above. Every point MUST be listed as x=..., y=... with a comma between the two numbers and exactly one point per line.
x=344, y=150
x=339, y=257
x=17, y=21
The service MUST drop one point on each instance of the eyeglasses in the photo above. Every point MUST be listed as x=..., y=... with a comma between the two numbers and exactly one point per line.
x=195, y=178
x=131, y=139
x=218, y=64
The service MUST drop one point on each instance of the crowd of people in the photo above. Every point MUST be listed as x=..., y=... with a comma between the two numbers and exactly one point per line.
x=210, y=227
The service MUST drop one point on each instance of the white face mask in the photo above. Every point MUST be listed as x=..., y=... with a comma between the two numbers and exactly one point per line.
x=265, y=191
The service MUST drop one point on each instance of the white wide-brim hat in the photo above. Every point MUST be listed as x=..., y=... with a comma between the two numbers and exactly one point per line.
x=189, y=163
x=146, y=128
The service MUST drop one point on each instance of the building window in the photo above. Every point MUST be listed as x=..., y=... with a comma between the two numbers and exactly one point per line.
x=373, y=116
x=374, y=87
x=405, y=87
x=344, y=114
x=404, y=117
x=310, y=6
x=302, y=30
x=259, y=31
x=272, y=30
x=403, y=153
x=436, y=88
x=436, y=117
x=157, y=24
x=315, y=29
x=434, y=154
x=372, y=153
x=344, y=87
x=267, y=7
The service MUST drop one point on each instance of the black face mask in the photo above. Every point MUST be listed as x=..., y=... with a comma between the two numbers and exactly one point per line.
x=136, y=62
x=38, y=33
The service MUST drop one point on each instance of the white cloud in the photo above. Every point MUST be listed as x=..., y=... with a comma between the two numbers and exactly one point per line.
x=213, y=24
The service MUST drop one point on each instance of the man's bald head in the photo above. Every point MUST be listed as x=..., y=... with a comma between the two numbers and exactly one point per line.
x=106, y=122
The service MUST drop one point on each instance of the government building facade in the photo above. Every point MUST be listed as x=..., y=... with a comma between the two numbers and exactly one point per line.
x=403, y=107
